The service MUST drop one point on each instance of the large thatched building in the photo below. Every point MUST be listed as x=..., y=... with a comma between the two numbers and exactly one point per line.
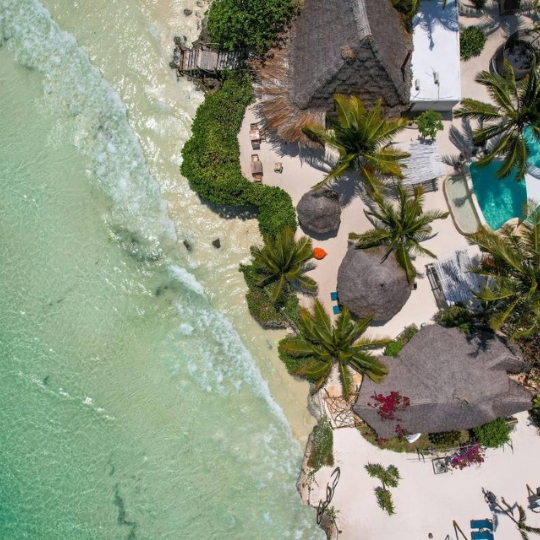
x=454, y=382
x=335, y=47
x=369, y=285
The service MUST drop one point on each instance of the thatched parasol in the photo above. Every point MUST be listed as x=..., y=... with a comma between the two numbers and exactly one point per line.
x=453, y=381
x=366, y=285
x=319, y=211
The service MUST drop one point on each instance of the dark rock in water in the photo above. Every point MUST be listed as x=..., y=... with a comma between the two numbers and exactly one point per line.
x=199, y=3
x=179, y=41
x=217, y=243
x=187, y=12
x=188, y=245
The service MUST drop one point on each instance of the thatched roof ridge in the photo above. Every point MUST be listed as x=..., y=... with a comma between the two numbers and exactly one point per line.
x=319, y=211
x=368, y=285
x=453, y=381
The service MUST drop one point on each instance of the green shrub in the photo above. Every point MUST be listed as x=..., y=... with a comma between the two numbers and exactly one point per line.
x=445, y=438
x=456, y=316
x=322, y=445
x=494, y=434
x=472, y=41
x=211, y=158
x=384, y=500
x=429, y=122
x=262, y=309
x=236, y=24
x=293, y=363
x=394, y=347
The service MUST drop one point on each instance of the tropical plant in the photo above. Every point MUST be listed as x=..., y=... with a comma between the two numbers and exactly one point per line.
x=395, y=347
x=362, y=138
x=384, y=500
x=281, y=264
x=445, y=438
x=322, y=443
x=236, y=24
x=429, y=122
x=389, y=477
x=467, y=456
x=521, y=522
x=455, y=316
x=493, y=434
x=513, y=115
x=400, y=228
x=319, y=345
x=472, y=41
x=511, y=265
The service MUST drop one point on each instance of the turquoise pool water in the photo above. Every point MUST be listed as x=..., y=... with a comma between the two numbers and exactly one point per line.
x=499, y=200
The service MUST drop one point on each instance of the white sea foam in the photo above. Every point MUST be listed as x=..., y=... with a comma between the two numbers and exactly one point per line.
x=187, y=279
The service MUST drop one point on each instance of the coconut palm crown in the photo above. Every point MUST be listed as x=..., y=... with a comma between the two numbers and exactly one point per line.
x=513, y=115
x=322, y=344
x=362, y=138
x=511, y=265
x=401, y=228
x=281, y=263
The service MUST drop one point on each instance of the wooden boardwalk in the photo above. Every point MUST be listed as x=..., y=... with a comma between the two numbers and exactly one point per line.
x=202, y=59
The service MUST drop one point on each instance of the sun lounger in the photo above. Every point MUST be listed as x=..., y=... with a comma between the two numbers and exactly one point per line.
x=334, y=296
x=482, y=524
x=336, y=310
x=482, y=535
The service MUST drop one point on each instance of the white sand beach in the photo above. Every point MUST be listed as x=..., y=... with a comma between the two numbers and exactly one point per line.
x=426, y=502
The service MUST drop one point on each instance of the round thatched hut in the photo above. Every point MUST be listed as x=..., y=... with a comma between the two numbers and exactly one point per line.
x=366, y=285
x=319, y=211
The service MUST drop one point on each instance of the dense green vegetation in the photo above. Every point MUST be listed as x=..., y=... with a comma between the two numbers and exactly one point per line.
x=400, y=228
x=456, y=316
x=211, y=159
x=472, y=41
x=395, y=346
x=319, y=344
x=493, y=434
x=255, y=24
x=389, y=477
x=362, y=137
x=269, y=314
x=429, y=122
x=322, y=445
x=445, y=438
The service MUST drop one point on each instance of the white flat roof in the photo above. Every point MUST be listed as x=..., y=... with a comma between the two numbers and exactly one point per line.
x=436, y=51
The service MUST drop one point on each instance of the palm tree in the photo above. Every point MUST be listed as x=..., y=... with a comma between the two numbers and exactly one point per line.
x=344, y=343
x=515, y=112
x=389, y=477
x=281, y=264
x=362, y=137
x=400, y=228
x=511, y=265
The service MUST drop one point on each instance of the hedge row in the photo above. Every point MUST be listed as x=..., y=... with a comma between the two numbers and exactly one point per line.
x=211, y=158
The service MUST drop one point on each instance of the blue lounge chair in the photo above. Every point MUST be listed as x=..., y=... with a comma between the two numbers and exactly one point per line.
x=482, y=524
x=482, y=535
x=334, y=296
x=337, y=310
x=538, y=492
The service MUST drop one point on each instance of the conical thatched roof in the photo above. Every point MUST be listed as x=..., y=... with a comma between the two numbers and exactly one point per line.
x=335, y=47
x=319, y=211
x=366, y=285
x=453, y=381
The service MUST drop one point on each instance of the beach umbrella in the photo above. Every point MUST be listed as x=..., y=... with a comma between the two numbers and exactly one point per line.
x=319, y=211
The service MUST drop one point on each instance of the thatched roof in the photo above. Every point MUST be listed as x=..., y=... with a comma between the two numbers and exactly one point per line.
x=335, y=47
x=319, y=211
x=454, y=382
x=367, y=285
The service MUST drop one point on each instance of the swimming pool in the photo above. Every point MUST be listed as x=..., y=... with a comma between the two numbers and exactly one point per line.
x=499, y=200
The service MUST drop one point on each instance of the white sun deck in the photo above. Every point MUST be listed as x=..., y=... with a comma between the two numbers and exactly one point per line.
x=436, y=75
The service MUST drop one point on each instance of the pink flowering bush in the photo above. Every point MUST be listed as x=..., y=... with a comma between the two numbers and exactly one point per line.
x=390, y=404
x=473, y=455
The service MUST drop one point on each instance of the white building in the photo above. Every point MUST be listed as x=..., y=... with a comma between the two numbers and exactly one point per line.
x=436, y=76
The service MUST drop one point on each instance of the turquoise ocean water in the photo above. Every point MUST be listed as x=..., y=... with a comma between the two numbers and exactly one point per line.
x=129, y=407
